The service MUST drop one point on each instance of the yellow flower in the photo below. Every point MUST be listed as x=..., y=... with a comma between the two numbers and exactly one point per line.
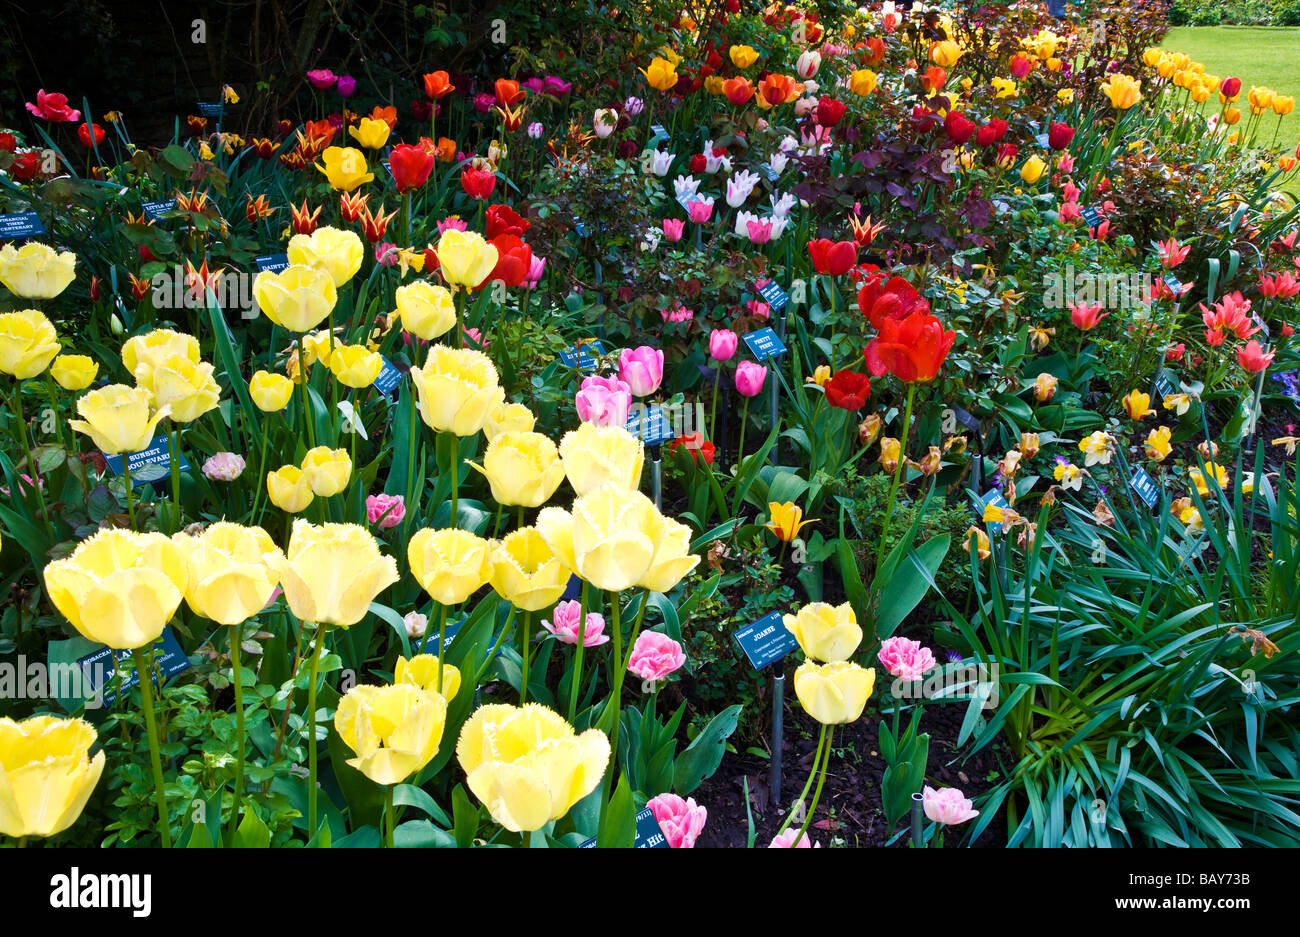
x=36, y=271
x=595, y=456
x=1043, y=43
x=889, y=450
x=862, y=82
x=332, y=573
x=672, y=557
x=1069, y=475
x=1029, y=445
x=820, y=376
x=945, y=54
x=355, y=365
x=28, y=343
x=660, y=74
x=1192, y=518
x=372, y=134
x=715, y=85
x=185, y=387
x=457, y=389
x=526, y=572
x=834, y=693
x=422, y=671
x=142, y=353
x=464, y=258
x=1005, y=88
x=1122, y=91
x=118, y=587
x=394, y=730
x=982, y=547
x=270, y=392
x=298, y=298
x=228, y=94
x=1283, y=104
x=229, y=578
x=786, y=520
x=522, y=468
x=1157, y=444
x=289, y=489
x=1231, y=116
x=1179, y=403
x=449, y=564
x=1096, y=447
x=327, y=470
x=825, y=632
x=508, y=418
x=1137, y=405
x=74, y=372
x=1151, y=56
x=741, y=56
x=1200, y=93
x=339, y=253
x=526, y=764
x=1033, y=169
x=1219, y=473
x=427, y=311
x=613, y=537
x=46, y=774
x=118, y=418
x=345, y=167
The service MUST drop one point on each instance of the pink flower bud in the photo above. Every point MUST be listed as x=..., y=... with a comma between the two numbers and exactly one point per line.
x=642, y=369
x=722, y=344
x=750, y=377
x=603, y=401
x=385, y=510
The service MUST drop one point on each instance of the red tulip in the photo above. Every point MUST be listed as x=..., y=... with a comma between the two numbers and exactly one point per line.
x=1020, y=65
x=934, y=78
x=411, y=166
x=508, y=92
x=437, y=84
x=478, y=183
x=991, y=132
x=26, y=166
x=912, y=349
x=848, y=390
x=514, y=257
x=880, y=299
x=84, y=131
x=1059, y=136
x=960, y=128
x=1085, y=317
x=502, y=219
x=9, y=143
x=830, y=112
x=834, y=258
x=696, y=445
x=1230, y=87
x=1253, y=358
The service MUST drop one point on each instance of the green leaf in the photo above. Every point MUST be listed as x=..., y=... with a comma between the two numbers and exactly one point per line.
x=703, y=755
x=908, y=585
x=618, y=825
x=252, y=832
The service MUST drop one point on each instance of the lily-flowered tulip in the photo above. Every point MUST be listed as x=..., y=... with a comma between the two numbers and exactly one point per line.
x=786, y=520
x=1137, y=405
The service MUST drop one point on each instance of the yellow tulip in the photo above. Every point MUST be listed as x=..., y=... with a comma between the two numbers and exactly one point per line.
x=1151, y=56
x=46, y=774
x=526, y=572
x=345, y=167
x=185, y=387
x=508, y=418
x=825, y=632
x=464, y=258
x=1122, y=91
x=28, y=343
x=945, y=54
x=862, y=82
x=74, y=372
x=394, y=730
x=556, y=527
x=1137, y=405
x=372, y=134
x=327, y=470
x=118, y=587
x=449, y=564
x=741, y=56
x=595, y=456
x=786, y=520
x=1231, y=116
x=889, y=452
x=613, y=541
x=1033, y=169
x=457, y=390
x=36, y=271
x=835, y=693
x=1283, y=104
x=229, y=580
x=289, y=489
x=339, y=253
x=1065, y=95
x=298, y=298
x=526, y=764
x=355, y=365
x=270, y=392
x=715, y=85
x=821, y=374
x=982, y=547
x=319, y=346
x=522, y=469
x=118, y=418
x=660, y=74
x=332, y=572
x=427, y=311
x=142, y=353
x=422, y=671
x=672, y=558
x=1219, y=473
x=1157, y=444
x=1005, y=88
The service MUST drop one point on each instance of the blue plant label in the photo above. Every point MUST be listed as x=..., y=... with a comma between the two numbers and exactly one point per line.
x=648, y=833
x=583, y=355
x=581, y=227
x=1164, y=385
x=1174, y=285
x=650, y=424
x=148, y=466
x=429, y=640
x=993, y=499
x=766, y=641
x=1259, y=320
x=774, y=296
x=573, y=590
x=99, y=666
x=272, y=262
x=770, y=171
x=20, y=224
x=966, y=419
x=659, y=132
x=389, y=377
x=765, y=344
x=1090, y=215
x=209, y=109
x=1043, y=140
x=156, y=209
x=1145, y=486
x=686, y=198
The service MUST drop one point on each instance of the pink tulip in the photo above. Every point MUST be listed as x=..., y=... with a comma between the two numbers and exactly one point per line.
x=758, y=308
x=536, y=268
x=682, y=821
x=642, y=369
x=674, y=228
x=701, y=212
x=749, y=378
x=760, y=232
x=564, y=625
x=223, y=467
x=603, y=401
x=321, y=78
x=483, y=103
x=722, y=344
x=385, y=510
x=905, y=659
x=452, y=224
x=786, y=840
x=947, y=806
x=655, y=656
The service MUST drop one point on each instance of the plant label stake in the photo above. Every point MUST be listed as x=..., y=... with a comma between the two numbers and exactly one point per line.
x=778, y=729
x=917, y=800
x=765, y=642
x=966, y=419
x=766, y=346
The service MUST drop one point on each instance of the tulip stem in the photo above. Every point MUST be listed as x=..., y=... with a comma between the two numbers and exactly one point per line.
x=126, y=473
x=31, y=459
x=302, y=375
x=636, y=629
x=898, y=474
x=577, y=660
x=615, y=694
x=261, y=477
x=496, y=646
x=740, y=450
x=146, y=702
x=311, y=730
x=389, y=816
x=817, y=757
x=173, y=448
x=236, y=669
x=713, y=407
x=525, y=634
x=455, y=480
x=817, y=794
x=413, y=435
